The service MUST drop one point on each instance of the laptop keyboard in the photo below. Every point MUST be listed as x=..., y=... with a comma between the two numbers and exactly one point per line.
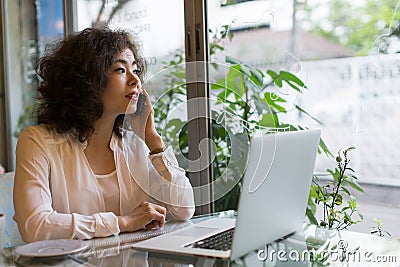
x=220, y=241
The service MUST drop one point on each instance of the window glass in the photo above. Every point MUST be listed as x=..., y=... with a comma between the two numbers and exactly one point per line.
x=243, y=46
x=28, y=27
x=352, y=81
x=345, y=52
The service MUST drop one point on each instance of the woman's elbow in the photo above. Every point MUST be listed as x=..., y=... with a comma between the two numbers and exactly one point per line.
x=31, y=231
x=183, y=213
x=28, y=238
x=26, y=235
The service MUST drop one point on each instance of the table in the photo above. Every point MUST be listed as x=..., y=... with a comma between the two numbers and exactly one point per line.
x=309, y=246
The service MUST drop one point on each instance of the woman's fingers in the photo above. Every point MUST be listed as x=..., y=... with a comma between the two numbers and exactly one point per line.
x=147, y=103
x=159, y=215
x=154, y=213
x=160, y=209
x=153, y=224
x=146, y=215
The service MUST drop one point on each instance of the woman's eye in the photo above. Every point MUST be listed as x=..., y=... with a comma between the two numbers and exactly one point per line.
x=136, y=71
x=120, y=70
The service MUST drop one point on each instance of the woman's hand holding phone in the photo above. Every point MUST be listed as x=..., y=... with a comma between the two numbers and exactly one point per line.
x=140, y=104
x=143, y=122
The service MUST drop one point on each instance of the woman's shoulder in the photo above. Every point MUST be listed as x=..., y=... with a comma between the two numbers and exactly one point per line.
x=42, y=133
x=36, y=131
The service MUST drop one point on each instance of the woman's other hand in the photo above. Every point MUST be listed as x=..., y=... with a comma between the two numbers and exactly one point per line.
x=146, y=215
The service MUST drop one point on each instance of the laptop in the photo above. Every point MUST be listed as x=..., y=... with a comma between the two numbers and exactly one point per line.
x=272, y=202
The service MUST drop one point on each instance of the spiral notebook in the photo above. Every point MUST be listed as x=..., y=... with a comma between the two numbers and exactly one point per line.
x=124, y=240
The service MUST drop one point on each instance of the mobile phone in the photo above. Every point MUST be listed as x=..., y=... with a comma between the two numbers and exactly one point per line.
x=140, y=104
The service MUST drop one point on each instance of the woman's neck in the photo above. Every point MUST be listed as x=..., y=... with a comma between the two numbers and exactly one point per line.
x=98, y=151
x=103, y=129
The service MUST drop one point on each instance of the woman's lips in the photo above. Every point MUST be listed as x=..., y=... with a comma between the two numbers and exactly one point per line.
x=132, y=96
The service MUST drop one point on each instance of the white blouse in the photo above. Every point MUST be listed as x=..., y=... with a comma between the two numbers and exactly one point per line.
x=109, y=188
x=56, y=194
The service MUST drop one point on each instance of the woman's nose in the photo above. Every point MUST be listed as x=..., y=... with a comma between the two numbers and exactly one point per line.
x=133, y=80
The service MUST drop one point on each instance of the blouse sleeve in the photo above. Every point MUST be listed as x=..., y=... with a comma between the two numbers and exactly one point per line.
x=34, y=214
x=170, y=186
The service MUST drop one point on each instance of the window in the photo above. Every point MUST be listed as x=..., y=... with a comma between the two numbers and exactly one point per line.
x=346, y=52
x=26, y=31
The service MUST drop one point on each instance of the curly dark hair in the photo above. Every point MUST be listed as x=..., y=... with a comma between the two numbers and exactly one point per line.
x=74, y=73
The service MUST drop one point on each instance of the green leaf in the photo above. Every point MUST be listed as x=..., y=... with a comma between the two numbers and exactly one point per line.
x=224, y=95
x=355, y=185
x=311, y=217
x=257, y=77
x=269, y=120
x=324, y=148
x=179, y=74
x=350, y=148
x=347, y=217
x=335, y=174
x=353, y=177
x=220, y=84
x=273, y=103
x=308, y=114
x=352, y=203
x=232, y=60
x=234, y=81
x=313, y=191
x=261, y=105
x=292, y=80
x=213, y=45
x=276, y=79
x=339, y=200
x=346, y=191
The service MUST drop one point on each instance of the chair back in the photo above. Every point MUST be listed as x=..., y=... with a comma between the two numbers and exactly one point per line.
x=13, y=237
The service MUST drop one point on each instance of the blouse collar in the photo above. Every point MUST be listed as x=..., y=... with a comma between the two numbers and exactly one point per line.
x=113, y=142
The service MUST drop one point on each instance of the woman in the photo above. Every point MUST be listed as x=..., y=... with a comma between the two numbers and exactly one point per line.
x=79, y=174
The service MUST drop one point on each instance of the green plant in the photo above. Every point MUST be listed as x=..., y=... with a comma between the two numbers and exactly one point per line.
x=245, y=100
x=339, y=205
x=378, y=228
x=253, y=95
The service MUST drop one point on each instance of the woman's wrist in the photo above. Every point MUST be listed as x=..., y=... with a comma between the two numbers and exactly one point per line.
x=154, y=142
x=122, y=224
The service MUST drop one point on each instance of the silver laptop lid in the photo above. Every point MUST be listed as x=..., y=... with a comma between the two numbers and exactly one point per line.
x=275, y=188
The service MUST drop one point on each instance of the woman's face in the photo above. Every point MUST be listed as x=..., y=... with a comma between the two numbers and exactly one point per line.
x=123, y=86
